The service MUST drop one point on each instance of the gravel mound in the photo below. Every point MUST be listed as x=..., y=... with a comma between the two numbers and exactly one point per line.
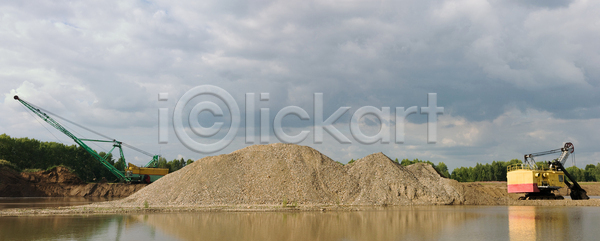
x=382, y=181
x=287, y=173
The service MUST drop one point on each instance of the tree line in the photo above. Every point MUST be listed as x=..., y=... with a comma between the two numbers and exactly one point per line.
x=25, y=154
x=496, y=171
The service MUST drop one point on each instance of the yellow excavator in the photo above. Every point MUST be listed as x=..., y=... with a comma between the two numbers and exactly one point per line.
x=147, y=174
x=539, y=182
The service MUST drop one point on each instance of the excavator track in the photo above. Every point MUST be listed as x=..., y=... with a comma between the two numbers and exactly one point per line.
x=541, y=196
x=553, y=197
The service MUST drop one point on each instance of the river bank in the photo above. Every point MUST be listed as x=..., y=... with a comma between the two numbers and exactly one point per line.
x=485, y=190
x=58, y=182
x=100, y=209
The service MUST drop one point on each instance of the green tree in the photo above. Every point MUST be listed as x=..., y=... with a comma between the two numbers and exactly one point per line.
x=495, y=171
x=443, y=169
x=597, y=172
x=590, y=173
x=576, y=173
x=120, y=164
x=108, y=158
x=25, y=153
x=174, y=165
x=189, y=161
x=162, y=162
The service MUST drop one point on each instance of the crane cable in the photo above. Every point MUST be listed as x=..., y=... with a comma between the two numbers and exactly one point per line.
x=39, y=108
x=90, y=130
x=34, y=117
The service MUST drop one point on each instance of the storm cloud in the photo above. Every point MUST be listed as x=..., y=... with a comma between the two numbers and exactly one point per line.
x=514, y=77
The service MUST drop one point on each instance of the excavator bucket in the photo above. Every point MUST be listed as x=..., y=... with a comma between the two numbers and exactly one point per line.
x=579, y=195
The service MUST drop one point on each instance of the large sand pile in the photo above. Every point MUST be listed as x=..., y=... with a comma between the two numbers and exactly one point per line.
x=270, y=174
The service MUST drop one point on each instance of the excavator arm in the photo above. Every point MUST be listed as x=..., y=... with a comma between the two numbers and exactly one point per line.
x=577, y=192
x=77, y=140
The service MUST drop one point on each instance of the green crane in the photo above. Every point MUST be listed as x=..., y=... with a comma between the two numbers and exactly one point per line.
x=105, y=163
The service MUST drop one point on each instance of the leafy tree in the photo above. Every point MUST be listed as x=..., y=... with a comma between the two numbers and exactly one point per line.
x=108, y=158
x=25, y=153
x=576, y=173
x=495, y=171
x=443, y=169
x=120, y=164
x=174, y=165
x=162, y=162
x=590, y=173
x=597, y=172
x=189, y=161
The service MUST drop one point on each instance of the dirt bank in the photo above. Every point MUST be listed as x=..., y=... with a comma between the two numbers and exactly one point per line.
x=482, y=192
x=58, y=182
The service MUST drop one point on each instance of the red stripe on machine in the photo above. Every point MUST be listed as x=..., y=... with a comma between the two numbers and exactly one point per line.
x=524, y=187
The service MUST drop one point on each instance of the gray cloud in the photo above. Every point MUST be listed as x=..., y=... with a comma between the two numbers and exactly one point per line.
x=103, y=64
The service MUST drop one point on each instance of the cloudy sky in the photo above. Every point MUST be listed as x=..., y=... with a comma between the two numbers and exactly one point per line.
x=514, y=77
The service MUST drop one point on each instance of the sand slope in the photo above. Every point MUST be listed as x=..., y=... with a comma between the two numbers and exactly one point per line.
x=272, y=174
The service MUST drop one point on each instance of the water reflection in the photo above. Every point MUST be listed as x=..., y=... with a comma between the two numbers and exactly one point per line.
x=36, y=228
x=405, y=223
x=420, y=223
x=552, y=223
x=94, y=227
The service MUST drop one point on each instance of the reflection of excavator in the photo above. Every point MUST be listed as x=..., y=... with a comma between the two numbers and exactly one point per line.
x=538, y=182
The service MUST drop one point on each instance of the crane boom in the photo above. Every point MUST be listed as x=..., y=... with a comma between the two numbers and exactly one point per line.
x=565, y=151
x=59, y=127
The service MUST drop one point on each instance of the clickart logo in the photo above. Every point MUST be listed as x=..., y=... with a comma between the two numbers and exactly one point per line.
x=320, y=124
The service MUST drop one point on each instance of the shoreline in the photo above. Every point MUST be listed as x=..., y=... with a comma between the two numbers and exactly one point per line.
x=99, y=209
x=487, y=194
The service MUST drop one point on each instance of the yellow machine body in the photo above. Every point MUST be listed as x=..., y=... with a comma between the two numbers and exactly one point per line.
x=142, y=173
x=522, y=179
x=146, y=171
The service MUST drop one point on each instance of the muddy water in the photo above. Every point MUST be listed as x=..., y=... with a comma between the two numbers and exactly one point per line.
x=407, y=223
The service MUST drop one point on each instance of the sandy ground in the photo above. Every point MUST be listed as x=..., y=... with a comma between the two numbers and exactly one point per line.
x=491, y=191
x=498, y=190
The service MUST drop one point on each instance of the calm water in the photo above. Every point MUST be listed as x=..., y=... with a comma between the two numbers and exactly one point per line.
x=407, y=223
